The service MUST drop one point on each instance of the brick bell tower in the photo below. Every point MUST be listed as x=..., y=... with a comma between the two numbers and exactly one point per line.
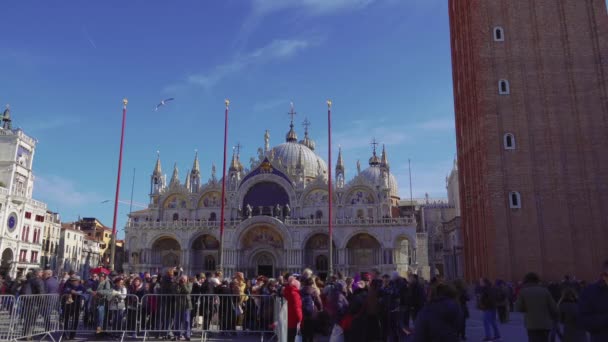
x=531, y=105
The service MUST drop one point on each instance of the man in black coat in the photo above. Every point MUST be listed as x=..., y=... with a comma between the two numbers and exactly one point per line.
x=593, y=307
x=33, y=305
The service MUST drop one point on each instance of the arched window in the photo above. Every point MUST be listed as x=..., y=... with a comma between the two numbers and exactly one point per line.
x=209, y=263
x=514, y=200
x=499, y=34
x=155, y=181
x=509, y=141
x=175, y=217
x=503, y=87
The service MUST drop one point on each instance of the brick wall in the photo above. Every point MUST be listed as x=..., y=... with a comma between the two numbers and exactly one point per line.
x=555, y=57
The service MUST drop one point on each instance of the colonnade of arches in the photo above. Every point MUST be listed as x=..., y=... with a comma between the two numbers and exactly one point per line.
x=362, y=252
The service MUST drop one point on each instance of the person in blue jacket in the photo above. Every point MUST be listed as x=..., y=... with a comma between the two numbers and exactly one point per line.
x=440, y=318
x=593, y=307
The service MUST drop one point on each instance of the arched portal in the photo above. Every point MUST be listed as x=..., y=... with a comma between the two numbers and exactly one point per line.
x=264, y=196
x=316, y=253
x=7, y=260
x=363, y=253
x=203, y=253
x=166, y=252
x=264, y=264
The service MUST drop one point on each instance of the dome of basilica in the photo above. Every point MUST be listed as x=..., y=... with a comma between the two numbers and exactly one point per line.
x=373, y=175
x=289, y=153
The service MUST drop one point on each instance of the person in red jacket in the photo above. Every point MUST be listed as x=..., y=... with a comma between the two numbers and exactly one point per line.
x=291, y=292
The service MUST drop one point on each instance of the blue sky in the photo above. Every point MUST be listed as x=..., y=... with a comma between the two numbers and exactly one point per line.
x=66, y=66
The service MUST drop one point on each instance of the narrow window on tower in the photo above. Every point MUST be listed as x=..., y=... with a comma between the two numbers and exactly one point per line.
x=499, y=34
x=509, y=141
x=503, y=87
x=514, y=200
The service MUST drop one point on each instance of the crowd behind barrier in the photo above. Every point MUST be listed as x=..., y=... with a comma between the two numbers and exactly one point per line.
x=366, y=307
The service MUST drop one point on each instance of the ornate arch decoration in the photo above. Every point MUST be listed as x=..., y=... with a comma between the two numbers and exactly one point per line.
x=177, y=201
x=318, y=240
x=165, y=236
x=373, y=234
x=265, y=222
x=360, y=195
x=310, y=194
x=404, y=236
x=271, y=178
x=204, y=241
x=265, y=168
x=210, y=199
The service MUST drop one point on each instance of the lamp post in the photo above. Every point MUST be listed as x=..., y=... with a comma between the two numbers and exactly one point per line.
x=122, y=138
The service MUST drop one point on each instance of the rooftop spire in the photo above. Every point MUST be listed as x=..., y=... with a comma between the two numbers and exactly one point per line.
x=307, y=141
x=188, y=180
x=374, y=161
x=6, y=117
x=291, y=135
x=384, y=158
x=340, y=163
x=196, y=168
x=157, y=169
x=235, y=165
x=175, y=176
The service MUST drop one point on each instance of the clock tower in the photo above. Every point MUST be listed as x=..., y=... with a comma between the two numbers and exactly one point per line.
x=21, y=217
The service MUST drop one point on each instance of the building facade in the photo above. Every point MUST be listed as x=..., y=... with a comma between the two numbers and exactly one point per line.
x=276, y=216
x=531, y=120
x=433, y=212
x=91, y=254
x=51, y=238
x=451, y=230
x=71, y=247
x=21, y=217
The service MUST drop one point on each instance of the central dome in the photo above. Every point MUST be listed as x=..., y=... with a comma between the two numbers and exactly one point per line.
x=289, y=152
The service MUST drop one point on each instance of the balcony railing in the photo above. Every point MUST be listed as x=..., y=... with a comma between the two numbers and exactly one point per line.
x=185, y=224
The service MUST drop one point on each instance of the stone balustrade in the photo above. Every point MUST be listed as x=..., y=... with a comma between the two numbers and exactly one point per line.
x=187, y=224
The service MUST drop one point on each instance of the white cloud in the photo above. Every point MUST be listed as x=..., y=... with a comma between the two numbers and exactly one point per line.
x=54, y=122
x=63, y=193
x=276, y=50
x=263, y=8
x=312, y=7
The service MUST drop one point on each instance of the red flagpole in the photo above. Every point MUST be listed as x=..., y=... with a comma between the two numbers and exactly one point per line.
x=221, y=256
x=122, y=138
x=329, y=188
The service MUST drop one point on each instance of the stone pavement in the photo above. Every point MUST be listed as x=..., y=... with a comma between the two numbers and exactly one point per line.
x=512, y=331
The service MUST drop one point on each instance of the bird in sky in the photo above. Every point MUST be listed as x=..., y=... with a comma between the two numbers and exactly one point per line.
x=162, y=103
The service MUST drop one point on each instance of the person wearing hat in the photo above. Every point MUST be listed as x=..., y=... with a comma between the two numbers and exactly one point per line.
x=71, y=311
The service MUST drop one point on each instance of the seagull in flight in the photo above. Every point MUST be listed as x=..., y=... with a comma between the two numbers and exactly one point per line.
x=162, y=103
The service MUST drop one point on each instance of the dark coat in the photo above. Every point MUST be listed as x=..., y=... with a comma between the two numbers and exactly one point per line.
x=593, y=310
x=37, y=285
x=52, y=285
x=438, y=321
x=538, y=306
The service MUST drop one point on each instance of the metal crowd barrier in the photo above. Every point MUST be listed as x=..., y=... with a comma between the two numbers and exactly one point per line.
x=172, y=316
x=32, y=316
x=7, y=304
x=114, y=316
x=111, y=316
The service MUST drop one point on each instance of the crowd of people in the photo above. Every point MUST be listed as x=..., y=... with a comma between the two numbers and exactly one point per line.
x=367, y=307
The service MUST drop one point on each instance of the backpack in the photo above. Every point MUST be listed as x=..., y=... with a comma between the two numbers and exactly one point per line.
x=308, y=305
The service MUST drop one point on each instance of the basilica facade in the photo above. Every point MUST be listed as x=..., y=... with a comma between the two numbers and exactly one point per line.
x=276, y=216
